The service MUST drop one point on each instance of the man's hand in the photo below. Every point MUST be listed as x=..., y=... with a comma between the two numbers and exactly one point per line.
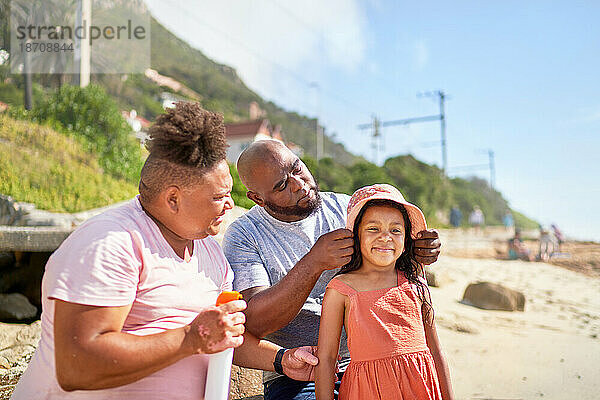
x=299, y=363
x=332, y=250
x=217, y=328
x=427, y=246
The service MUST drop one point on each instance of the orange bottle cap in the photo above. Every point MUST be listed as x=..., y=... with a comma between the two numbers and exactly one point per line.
x=227, y=296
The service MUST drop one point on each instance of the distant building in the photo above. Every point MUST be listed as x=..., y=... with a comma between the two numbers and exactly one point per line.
x=242, y=134
x=168, y=99
x=139, y=125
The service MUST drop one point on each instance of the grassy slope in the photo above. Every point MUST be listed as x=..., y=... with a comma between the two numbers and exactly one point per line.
x=40, y=166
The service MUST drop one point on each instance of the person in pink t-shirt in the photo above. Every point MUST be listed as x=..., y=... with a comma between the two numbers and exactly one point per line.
x=128, y=298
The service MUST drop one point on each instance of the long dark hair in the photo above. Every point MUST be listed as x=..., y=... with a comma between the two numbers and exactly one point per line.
x=406, y=263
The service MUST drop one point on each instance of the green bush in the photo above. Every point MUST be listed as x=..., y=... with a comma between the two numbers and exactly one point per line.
x=331, y=176
x=92, y=117
x=238, y=193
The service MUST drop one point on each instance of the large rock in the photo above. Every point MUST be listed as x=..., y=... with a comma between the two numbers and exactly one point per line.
x=493, y=296
x=15, y=306
x=437, y=278
x=18, y=342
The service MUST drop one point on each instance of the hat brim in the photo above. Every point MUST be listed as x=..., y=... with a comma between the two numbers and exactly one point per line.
x=417, y=219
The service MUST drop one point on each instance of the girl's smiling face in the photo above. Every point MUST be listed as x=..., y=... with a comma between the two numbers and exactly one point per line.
x=381, y=233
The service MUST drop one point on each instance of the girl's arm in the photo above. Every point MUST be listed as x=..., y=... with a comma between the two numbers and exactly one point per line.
x=332, y=319
x=443, y=373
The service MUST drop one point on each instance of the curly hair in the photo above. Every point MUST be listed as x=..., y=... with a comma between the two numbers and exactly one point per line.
x=185, y=142
x=188, y=135
x=406, y=263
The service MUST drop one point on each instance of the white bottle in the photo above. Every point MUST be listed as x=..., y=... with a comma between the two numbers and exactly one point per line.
x=218, y=375
x=219, y=364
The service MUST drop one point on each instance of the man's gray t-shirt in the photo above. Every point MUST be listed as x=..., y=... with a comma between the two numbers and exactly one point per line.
x=262, y=250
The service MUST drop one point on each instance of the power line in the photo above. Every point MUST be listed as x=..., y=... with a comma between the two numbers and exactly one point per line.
x=376, y=124
x=490, y=166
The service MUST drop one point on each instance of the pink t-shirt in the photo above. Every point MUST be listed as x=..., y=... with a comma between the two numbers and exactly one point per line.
x=120, y=258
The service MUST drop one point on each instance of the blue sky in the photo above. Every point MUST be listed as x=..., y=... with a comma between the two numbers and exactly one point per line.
x=522, y=80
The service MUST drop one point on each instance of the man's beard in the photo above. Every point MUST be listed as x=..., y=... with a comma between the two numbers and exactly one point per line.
x=297, y=211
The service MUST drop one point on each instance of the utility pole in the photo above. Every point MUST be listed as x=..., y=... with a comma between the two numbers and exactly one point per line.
x=492, y=168
x=318, y=128
x=28, y=98
x=376, y=124
x=442, y=98
x=83, y=50
x=375, y=135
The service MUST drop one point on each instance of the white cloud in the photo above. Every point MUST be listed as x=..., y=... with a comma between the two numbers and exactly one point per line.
x=275, y=46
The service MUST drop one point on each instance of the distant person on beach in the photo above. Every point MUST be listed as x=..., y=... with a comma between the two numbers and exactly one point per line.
x=560, y=238
x=476, y=219
x=455, y=217
x=548, y=243
x=285, y=250
x=382, y=300
x=508, y=220
x=517, y=250
x=128, y=299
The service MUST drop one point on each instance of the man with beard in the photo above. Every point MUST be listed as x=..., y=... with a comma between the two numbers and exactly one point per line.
x=285, y=250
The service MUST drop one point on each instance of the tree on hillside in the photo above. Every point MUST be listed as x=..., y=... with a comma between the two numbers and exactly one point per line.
x=365, y=173
x=92, y=116
x=419, y=182
x=330, y=175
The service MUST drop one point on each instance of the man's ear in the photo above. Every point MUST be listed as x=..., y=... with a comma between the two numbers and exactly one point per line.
x=172, y=198
x=255, y=198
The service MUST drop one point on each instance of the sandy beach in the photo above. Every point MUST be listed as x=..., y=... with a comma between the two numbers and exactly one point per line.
x=548, y=351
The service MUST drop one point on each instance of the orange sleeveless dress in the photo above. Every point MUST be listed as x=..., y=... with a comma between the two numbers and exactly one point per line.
x=386, y=339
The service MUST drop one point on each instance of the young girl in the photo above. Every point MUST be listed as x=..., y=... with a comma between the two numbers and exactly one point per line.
x=382, y=300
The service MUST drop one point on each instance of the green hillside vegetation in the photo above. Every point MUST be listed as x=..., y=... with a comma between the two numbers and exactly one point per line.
x=42, y=166
x=421, y=184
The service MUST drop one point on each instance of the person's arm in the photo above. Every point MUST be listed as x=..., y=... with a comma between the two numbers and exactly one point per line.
x=271, y=308
x=298, y=363
x=91, y=352
x=441, y=367
x=332, y=320
x=427, y=246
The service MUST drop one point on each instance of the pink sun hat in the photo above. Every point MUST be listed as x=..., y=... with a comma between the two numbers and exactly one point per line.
x=385, y=192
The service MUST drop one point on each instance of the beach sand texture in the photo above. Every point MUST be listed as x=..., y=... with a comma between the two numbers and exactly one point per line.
x=550, y=351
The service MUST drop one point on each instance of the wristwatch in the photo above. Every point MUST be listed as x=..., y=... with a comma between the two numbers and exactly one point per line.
x=277, y=363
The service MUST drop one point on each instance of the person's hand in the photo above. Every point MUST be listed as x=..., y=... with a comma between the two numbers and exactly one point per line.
x=332, y=250
x=217, y=328
x=427, y=246
x=299, y=363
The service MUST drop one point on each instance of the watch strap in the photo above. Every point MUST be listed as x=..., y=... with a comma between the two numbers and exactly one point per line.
x=277, y=363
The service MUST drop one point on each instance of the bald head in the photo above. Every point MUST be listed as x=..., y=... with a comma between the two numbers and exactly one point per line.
x=278, y=180
x=259, y=154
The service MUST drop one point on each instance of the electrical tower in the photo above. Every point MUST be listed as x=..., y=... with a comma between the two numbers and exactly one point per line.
x=376, y=124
